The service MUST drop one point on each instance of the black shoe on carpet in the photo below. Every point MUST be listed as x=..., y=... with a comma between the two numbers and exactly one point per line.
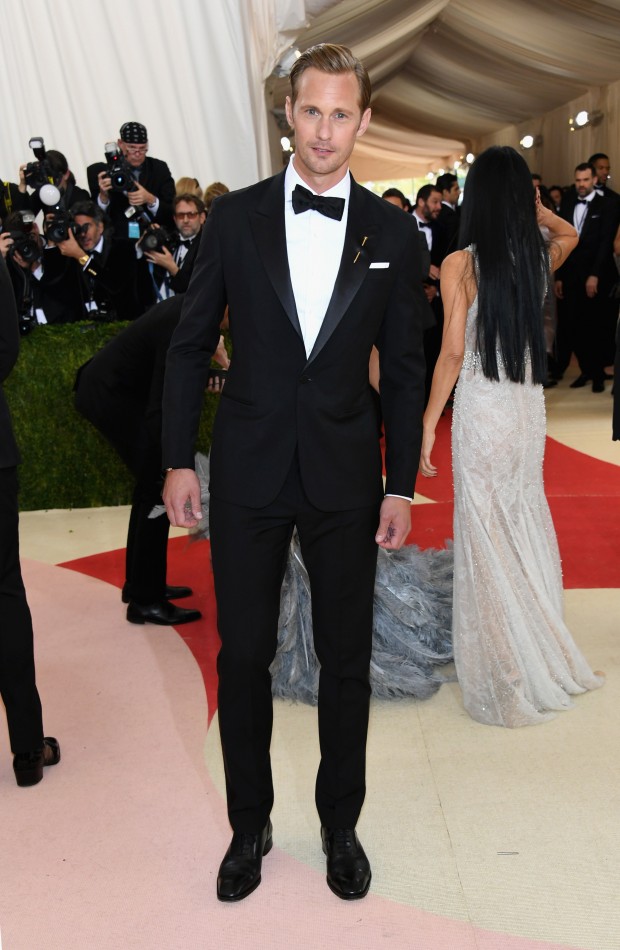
x=240, y=871
x=28, y=766
x=162, y=613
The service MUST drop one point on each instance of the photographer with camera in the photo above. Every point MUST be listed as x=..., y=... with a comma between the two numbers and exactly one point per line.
x=105, y=267
x=42, y=283
x=132, y=185
x=12, y=199
x=64, y=179
x=171, y=256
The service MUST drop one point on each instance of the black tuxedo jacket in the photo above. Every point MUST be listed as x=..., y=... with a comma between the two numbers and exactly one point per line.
x=9, y=350
x=276, y=400
x=593, y=256
x=155, y=177
x=447, y=228
x=180, y=282
x=112, y=280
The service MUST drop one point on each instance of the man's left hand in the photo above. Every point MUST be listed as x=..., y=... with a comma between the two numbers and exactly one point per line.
x=394, y=523
x=140, y=196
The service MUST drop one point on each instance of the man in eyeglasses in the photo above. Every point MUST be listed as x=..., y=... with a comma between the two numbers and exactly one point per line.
x=174, y=262
x=153, y=188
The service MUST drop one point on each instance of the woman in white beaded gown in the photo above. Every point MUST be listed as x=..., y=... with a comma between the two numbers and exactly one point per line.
x=515, y=659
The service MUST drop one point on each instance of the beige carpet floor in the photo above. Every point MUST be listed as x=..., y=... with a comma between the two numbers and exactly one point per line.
x=480, y=838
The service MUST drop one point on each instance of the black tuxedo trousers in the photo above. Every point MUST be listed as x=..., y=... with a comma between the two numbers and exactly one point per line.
x=340, y=556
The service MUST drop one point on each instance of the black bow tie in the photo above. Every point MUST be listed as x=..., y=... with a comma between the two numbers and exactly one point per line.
x=420, y=225
x=582, y=201
x=185, y=243
x=304, y=200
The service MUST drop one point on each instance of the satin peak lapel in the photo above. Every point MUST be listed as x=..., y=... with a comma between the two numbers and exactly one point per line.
x=267, y=223
x=354, y=264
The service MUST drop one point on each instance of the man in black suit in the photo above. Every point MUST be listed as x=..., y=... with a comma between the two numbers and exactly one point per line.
x=44, y=286
x=315, y=270
x=427, y=211
x=113, y=284
x=152, y=190
x=32, y=751
x=119, y=391
x=586, y=315
x=449, y=218
x=173, y=265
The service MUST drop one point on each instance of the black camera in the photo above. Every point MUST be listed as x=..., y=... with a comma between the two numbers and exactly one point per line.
x=25, y=241
x=121, y=173
x=38, y=173
x=56, y=227
x=156, y=239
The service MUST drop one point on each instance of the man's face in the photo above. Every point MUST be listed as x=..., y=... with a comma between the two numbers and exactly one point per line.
x=91, y=231
x=584, y=183
x=134, y=154
x=452, y=195
x=602, y=169
x=429, y=209
x=188, y=219
x=327, y=121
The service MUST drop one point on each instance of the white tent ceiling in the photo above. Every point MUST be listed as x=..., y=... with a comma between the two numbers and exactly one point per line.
x=445, y=73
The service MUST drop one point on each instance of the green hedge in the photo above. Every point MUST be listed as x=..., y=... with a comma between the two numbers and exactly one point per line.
x=66, y=463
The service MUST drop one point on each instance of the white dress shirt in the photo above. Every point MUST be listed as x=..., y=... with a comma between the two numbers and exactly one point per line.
x=314, y=245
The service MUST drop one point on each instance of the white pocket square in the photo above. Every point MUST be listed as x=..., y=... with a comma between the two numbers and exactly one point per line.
x=379, y=264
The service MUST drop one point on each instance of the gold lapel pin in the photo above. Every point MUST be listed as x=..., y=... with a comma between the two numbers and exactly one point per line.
x=364, y=239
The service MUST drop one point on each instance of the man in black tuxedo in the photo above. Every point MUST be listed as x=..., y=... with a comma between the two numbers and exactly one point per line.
x=450, y=216
x=173, y=265
x=427, y=211
x=586, y=315
x=113, y=284
x=315, y=270
x=153, y=189
x=119, y=391
x=17, y=672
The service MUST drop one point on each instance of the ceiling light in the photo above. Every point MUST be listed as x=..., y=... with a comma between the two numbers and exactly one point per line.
x=469, y=157
x=584, y=118
x=531, y=141
x=286, y=62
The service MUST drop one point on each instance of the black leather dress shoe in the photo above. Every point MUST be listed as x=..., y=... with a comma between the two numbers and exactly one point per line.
x=28, y=766
x=171, y=593
x=161, y=612
x=580, y=382
x=348, y=869
x=239, y=872
x=598, y=386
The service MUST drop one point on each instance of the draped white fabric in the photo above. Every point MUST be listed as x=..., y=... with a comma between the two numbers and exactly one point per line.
x=192, y=72
x=448, y=76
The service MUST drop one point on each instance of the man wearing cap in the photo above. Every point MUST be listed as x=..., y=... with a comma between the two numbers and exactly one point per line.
x=154, y=185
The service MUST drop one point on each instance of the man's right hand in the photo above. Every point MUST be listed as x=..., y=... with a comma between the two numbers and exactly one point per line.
x=181, y=497
x=5, y=243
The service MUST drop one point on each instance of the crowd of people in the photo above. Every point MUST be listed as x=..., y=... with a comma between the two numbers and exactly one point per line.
x=108, y=253
x=581, y=304
x=317, y=274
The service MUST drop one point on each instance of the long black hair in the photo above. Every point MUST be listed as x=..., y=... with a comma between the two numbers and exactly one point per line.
x=499, y=220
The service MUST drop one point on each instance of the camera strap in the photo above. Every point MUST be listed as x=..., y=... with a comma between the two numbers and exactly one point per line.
x=8, y=199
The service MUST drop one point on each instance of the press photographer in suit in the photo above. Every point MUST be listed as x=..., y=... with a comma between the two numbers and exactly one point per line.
x=149, y=191
x=172, y=256
x=315, y=270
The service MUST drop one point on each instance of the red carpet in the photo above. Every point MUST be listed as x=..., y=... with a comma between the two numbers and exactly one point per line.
x=584, y=496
